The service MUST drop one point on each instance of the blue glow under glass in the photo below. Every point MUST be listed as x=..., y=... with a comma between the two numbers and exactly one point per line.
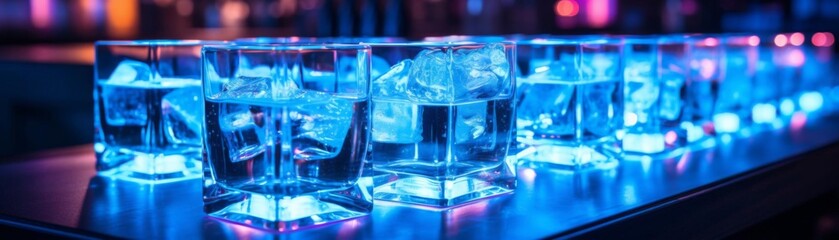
x=286, y=134
x=654, y=73
x=570, y=102
x=442, y=122
x=148, y=109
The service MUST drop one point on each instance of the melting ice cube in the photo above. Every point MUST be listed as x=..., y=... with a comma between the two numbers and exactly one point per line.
x=479, y=73
x=471, y=121
x=430, y=77
x=599, y=66
x=183, y=111
x=242, y=132
x=641, y=90
x=600, y=107
x=324, y=119
x=125, y=104
x=129, y=71
x=246, y=87
x=395, y=121
x=671, y=95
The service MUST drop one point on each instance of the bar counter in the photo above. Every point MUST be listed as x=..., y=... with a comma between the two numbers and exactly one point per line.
x=708, y=193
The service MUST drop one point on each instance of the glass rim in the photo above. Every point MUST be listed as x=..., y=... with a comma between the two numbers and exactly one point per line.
x=571, y=40
x=336, y=40
x=466, y=38
x=653, y=39
x=439, y=44
x=264, y=39
x=299, y=46
x=159, y=42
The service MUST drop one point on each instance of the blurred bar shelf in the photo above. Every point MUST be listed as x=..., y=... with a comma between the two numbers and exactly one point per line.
x=704, y=194
x=74, y=54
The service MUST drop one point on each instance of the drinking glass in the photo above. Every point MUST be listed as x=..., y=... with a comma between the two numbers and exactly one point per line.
x=789, y=60
x=148, y=109
x=733, y=108
x=570, y=101
x=287, y=134
x=816, y=75
x=766, y=91
x=654, y=74
x=704, y=56
x=442, y=122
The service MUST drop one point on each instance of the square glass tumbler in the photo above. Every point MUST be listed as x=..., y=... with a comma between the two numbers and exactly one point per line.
x=148, y=109
x=767, y=88
x=442, y=122
x=654, y=73
x=704, y=56
x=286, y=134
x=570, y=102
x=733, y=109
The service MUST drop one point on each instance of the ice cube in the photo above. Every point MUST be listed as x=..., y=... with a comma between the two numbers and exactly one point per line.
x=395, y=121
x=544, y=107
x=125, y=104
x=470, y=122
x=600, y=108
x=378, y=67
x=641, y=90
x=557, y=70
x=599, y=66
x=131, y=70
x=671, y=95
x=394, y=82
x=430, y=77
x=246, y=87
x=183, y=111
x=480, y=73
x=242, y=132
x=324, y=119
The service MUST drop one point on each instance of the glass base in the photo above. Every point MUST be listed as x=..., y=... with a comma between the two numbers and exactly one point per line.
x=641, y=146
x=570, y=157
x=149, y=168
x=446, y=192
x=288, y=213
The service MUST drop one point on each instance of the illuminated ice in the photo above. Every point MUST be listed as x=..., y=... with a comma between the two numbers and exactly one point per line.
x=255, y=87
x=726, y=122
x=466, y=74
x=323, y=118
x=600, y=108
x=129, y=71
x=430, y=78
x=184, y=107
x=479, y=73
x=319, y=124
x=541, y=103
x=246, y=87
x=541, y=98
x=641, y=89
x=671, y=95
x=471, y=122
x=395, y=121
x=245, y=139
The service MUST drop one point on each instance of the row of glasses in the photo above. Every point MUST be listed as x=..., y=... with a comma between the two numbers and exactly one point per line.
x=302, y=131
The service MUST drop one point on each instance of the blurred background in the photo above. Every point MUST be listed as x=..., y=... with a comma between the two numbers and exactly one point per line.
x=46, y=53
